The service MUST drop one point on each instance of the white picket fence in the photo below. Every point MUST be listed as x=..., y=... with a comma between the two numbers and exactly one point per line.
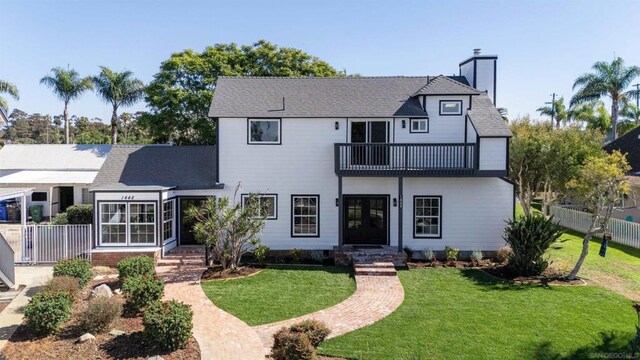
x=623, y=232
x=50, y=243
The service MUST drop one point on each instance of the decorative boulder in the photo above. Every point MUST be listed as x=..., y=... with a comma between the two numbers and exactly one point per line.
x=102, y=290
x=117, y=291
x=86, y=337
x=116, y=333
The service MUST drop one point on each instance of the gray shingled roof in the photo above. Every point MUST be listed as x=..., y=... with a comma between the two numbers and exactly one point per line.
x=158, y=166
x=444, y=85
x=316, y=97
x=486, y=119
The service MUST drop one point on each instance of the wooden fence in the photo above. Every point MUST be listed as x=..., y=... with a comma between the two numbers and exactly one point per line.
x=623, y=232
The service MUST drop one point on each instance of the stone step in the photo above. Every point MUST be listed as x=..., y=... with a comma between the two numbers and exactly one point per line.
x=181, y=262
x=185, y=257
x=375, y=264
x=8, y=295
x=379, y=271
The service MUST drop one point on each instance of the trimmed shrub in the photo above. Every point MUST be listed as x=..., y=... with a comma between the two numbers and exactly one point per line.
x=315, y=330
x=60, y=219
x=451, y=254
x=167, y=325
x=135, y=266
x=290, y=345
x=63, y=284
x=142, y=291
x=47, y=311
x=80, y=214
x=101, y=312
x=77, y=268
x=429, y=255
x=502, y=255
x=529, y=238
x=261, y=252
x=407, y=250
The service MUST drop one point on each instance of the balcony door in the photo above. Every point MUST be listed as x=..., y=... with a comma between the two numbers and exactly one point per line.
x=370, y=133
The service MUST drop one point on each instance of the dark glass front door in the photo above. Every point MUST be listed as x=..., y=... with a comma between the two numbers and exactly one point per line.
x=66, y=197
x=365, y=220
x=186, y=227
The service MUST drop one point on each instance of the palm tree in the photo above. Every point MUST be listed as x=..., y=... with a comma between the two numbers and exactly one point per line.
x=67, y=85
x=8, y=88
x=607, y=79
x=556, y=111
x=118, y=89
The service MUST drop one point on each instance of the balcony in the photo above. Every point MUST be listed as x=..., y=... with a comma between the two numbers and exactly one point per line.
x=385, y=159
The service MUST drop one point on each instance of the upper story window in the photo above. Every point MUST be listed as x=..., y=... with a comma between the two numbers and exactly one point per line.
x=450, y=107
x=268, y=204
x=419, y=126
x=264, y=131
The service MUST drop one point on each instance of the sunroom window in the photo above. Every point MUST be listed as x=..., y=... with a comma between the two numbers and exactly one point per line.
x=142, y=223
x=127, y=223
x=113, y=223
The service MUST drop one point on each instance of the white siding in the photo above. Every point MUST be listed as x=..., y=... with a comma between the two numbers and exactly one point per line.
x=493, y=153
x=485, y=80
x=471, y=132
x=466, y=70
x=442, y=129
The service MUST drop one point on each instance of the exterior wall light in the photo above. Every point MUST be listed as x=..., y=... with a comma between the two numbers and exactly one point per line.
x=404, y=124
x=337, y=125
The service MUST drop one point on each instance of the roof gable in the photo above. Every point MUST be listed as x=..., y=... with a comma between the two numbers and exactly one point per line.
x=444, y=85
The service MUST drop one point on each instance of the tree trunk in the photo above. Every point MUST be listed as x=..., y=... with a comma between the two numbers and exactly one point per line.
x=66, y=123
x=614, y=118
x=114, y=126
x=585, y=247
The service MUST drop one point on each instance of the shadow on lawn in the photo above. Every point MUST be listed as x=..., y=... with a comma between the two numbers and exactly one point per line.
x=491, y=283
x=612, y=345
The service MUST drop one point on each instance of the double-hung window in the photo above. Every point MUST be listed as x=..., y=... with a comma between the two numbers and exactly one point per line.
x=419, y=126
x=168, y=222
x=124, y=223
x=427, y=212
x=268, y=204
x=450, y=107
x=264, y=131
x=305, y=215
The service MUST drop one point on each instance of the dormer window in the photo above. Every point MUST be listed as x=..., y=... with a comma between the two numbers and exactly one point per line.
x=450, y=107
x=264, y=131
x=419, y=125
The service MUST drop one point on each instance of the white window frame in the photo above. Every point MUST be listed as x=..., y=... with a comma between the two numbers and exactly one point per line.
x=443, y=104
x=260, y=197
x=128, y=224
x=416, y=217
x=253, y=142
x=172, y=220
x=419, y=120
x=294, y=216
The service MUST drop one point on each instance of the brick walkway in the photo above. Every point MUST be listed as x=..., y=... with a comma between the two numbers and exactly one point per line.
x=221, y=336
x=375, y=297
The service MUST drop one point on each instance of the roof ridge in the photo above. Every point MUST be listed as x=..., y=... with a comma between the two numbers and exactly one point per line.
x=457, y=83
x=323, y=77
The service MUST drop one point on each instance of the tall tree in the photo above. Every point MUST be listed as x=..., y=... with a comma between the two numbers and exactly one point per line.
x=120, y=89
x=8, y=88
x=557, y=111
x=180, y=93
x=607, y=79
x=67, y=85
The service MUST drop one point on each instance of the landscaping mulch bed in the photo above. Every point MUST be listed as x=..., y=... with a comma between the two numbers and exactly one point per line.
x=24, y=345
x=217, y=273
x=456, y=264
x=548, y=277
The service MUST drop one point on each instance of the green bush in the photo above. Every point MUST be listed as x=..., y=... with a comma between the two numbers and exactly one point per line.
x=77, y=268
x=80, y=214
x=296, y=255
x=135, y=266
x=291, y=345
x=142, y=291
x=60, y=219
x=101, y=312
x=168, y=325
x=315, y=330
x=529, y=238
x=261, y=252
x=63, y=284
x=47, y=311
x=451, y=254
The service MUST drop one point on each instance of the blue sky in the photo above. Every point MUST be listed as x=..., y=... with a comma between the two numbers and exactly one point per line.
x=542, y=45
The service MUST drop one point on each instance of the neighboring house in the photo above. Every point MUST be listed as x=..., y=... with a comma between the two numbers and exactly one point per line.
x=398, y=161
x=56, y=175
x=628, y=144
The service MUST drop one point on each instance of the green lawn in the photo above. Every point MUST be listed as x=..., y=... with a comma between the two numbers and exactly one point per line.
x=464, y=314
x=281, y=292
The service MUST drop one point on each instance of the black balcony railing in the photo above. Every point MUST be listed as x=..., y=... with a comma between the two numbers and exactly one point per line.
x=384, y=159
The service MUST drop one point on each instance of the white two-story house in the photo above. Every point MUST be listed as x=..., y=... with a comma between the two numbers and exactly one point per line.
x=418, y=162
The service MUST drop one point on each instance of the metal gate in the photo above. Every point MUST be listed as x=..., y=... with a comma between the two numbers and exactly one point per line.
x=51, y=243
